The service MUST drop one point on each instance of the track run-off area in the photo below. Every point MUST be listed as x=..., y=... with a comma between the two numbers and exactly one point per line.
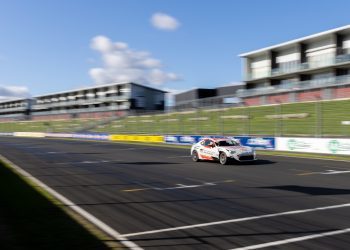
x=157, y=198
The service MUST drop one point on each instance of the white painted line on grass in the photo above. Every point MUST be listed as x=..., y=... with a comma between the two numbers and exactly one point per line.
x=287, y=241
x=237, y=220
x=100, y=224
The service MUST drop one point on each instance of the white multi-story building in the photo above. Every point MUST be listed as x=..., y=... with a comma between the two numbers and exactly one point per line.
x=93, y=102
x=310, y=68
x=17, y=109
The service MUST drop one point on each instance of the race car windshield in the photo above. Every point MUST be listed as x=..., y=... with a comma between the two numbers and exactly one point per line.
x=227, y=143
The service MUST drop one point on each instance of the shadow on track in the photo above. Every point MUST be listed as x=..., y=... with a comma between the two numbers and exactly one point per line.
x=311, y=190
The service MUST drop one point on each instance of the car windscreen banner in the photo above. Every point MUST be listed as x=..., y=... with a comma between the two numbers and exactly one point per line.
x=257, y=142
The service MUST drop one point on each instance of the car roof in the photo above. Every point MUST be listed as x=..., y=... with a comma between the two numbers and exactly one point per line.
x=217, y=139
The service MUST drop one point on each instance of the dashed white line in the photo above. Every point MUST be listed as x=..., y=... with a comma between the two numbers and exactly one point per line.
x=237, y=220
x=287, y=241
x=336, y=172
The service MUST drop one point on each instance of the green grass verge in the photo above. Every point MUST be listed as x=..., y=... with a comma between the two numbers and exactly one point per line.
x=32, y=219
x=322, y=118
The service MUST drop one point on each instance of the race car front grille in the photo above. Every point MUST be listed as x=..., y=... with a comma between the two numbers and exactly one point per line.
x=246, y=158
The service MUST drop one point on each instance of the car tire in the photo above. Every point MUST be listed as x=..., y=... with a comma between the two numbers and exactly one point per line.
x=223, y=159
x=195, y=157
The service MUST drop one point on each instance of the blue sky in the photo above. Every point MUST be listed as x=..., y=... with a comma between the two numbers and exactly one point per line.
x=51, y=46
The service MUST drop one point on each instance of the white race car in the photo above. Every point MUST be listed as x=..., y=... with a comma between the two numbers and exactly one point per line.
x=222, y=149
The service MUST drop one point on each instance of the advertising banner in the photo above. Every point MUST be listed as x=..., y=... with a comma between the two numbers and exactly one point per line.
x=257, y=142
x=6, y=134
x=314, y=145
x=59, y=135
x=137, y=138
x=182, y=139
x=91, y=136
x=29, y=134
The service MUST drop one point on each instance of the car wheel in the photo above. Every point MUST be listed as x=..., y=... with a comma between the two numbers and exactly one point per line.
x=223, y=158
x=195, y=156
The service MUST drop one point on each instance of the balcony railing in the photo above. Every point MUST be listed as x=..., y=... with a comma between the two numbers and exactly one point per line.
x=80, y=102
x=73, y=111
x=316, y=83
x=301, y=66
x=17, y=109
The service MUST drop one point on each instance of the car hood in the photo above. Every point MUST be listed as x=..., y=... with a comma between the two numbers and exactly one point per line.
x=238, y=149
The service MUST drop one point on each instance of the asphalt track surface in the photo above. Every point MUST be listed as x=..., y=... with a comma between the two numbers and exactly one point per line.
x=159, y=199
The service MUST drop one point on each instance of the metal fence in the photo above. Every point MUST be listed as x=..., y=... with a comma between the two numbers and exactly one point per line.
x=317, y=119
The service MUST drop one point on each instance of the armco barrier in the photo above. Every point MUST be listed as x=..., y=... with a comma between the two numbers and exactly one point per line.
x=137, y=138
x=314, y=145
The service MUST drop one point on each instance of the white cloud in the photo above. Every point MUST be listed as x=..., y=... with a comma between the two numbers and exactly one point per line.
x=13, y=92
x=163, y=21
x=122, y=64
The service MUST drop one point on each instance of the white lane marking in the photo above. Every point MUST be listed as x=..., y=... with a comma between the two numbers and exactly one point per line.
x=328, y=172
x=237, y=220
x=182, y=186
x=287, y=241
x=92, y=162
x=336, y=172
x=178, y=186
x=55, y=152
x=103, y=226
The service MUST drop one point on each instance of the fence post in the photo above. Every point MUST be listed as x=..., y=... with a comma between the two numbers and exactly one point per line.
x=318, y=117
x=222, y=123
x=248, y=119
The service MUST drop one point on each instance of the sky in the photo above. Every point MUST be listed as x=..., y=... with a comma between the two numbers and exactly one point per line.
x=175, y=45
